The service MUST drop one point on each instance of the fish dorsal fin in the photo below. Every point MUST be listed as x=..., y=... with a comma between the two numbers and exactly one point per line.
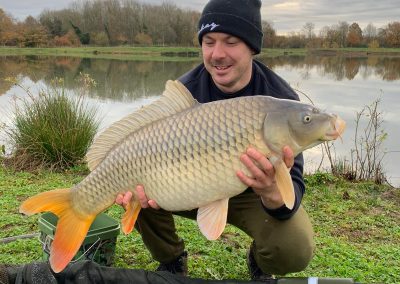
x=175, y=98
x=212, y=218
x=284, y=183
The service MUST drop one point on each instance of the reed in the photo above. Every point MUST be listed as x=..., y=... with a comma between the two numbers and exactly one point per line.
x=51, y=129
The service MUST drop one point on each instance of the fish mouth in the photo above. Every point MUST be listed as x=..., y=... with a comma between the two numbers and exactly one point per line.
x=338, y=127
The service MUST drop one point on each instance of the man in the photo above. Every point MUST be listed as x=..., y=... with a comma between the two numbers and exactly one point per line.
x=230, y=35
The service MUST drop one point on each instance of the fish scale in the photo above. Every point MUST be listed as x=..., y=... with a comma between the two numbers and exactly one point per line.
x=199, y=152
x=186, y=155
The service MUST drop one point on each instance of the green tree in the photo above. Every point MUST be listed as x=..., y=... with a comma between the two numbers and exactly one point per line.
x=84, y=38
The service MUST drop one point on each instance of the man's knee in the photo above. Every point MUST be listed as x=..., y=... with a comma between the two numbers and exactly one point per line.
x=285, y=258
x=289, y=247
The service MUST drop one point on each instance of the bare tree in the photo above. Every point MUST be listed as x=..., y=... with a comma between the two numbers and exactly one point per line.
x=367, y=156
x=342, y=29
x=269, y=34
x=308, y=30
x=370, y=33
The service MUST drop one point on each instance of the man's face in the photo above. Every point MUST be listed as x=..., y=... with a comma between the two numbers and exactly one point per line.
x=228, y=59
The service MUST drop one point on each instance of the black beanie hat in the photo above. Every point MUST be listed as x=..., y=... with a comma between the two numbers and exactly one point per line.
x=240, y=18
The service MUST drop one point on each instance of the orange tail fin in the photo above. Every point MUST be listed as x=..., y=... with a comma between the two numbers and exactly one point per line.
x=71, y=229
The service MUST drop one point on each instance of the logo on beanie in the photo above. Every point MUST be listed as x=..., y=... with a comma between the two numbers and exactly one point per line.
x=211, y=26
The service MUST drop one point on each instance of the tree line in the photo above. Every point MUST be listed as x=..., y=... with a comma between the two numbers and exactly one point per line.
x=128, y=22
x=340, y=35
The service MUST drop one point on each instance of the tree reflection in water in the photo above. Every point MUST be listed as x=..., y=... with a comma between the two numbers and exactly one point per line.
x=338, y=83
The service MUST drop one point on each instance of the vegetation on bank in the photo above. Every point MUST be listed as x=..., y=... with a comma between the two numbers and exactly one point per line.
x=122, y=52
x=156, y=53
x=356, y=230
x=51, y=129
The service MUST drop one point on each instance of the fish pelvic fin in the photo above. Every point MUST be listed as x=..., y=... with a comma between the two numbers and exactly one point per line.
x=71, y=229
x=212, y=218
x=130, y=216
x=284, y=183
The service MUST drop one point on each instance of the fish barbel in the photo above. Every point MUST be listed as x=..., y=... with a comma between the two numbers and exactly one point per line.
x=186, y=156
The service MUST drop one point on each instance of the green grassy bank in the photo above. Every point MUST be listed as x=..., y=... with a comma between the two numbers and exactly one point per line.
x=122, y=53
x=179, y=53
x=356, y=226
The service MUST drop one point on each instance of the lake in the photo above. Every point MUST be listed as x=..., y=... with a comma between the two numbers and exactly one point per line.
x=342, y=85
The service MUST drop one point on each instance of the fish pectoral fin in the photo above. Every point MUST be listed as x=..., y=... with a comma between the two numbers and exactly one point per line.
x=130, y=216
x=212, y=218
x=71, y=229
x=284, y=183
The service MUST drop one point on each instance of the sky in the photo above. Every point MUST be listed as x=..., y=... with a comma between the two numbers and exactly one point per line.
x=286, y=16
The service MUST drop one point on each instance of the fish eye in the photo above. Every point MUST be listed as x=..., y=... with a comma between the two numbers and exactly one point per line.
x=307, y=119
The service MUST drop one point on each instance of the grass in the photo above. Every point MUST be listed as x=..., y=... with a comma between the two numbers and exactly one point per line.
x=118, y=52
x=356, y=224
x=52, y=129
x=171, y=53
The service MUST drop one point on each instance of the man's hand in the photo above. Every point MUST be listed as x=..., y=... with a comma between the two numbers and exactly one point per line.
x=262, y=175
x=125, y=199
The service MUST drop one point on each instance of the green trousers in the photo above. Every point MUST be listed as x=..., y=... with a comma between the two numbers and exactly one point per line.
x=280, y=246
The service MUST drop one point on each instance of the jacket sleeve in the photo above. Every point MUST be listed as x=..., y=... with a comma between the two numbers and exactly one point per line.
x=296, y=172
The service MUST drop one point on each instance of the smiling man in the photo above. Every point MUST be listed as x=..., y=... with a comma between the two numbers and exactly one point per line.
x=230, y=34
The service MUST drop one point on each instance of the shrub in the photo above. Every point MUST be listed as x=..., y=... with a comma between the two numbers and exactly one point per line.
x=100, y=39
x=367, y=155
x=69, y=39
x=52, y=129
x=143, y=39
x=373, y=44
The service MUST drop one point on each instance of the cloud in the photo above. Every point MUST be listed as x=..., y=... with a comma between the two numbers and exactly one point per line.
x=287, y=6
x=286, y=16
x=289, y=16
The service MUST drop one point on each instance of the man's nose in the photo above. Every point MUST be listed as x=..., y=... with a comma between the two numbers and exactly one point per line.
x=219, y=50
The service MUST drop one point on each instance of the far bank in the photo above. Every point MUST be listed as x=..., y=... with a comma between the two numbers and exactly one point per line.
x=184, y=53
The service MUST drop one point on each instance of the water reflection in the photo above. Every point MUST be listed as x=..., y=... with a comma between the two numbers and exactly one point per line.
x=340, y=67
x=342, y=85
x=116, y=79
x=127, y=80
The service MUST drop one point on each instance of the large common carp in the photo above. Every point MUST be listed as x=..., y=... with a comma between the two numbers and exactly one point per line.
x=186, y=155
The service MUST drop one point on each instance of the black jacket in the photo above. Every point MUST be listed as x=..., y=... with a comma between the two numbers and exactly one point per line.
x=263, y=82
